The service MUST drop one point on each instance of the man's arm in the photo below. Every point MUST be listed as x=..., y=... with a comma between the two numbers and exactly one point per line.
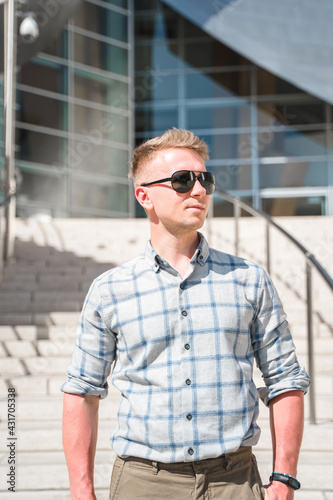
x=80, y=423
x=287, y=421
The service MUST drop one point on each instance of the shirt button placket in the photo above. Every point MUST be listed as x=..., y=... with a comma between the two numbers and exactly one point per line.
x=186, y=392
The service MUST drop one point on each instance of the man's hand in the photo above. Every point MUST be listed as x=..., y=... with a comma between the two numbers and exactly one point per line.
x=278, y=491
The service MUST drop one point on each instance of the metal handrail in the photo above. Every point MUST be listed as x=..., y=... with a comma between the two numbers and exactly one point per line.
x=3, y=235
x=5, y=202
x=311, y=262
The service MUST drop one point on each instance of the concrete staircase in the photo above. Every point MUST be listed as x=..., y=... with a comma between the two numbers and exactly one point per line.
x=40, y=300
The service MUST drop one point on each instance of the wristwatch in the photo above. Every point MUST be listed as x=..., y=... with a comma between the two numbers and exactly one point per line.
x=286, y=479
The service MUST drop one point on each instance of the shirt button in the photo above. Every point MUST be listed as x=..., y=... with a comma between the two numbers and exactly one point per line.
x=190, y=451
x=189, y=416
x=201, y=257
x=182, y=286
x=184, y=313
x=188, y=382
x=187, y=346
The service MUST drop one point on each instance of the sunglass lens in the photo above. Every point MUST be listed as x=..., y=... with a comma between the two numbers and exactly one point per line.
x=182, y=182
x=207, y=180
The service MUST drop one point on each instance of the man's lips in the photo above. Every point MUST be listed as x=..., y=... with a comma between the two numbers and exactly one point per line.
x=199, y=208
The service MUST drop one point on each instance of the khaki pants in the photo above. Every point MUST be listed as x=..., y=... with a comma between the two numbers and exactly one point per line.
x=233, y=476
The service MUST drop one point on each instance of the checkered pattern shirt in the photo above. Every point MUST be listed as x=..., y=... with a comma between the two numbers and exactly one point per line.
x=182, y=351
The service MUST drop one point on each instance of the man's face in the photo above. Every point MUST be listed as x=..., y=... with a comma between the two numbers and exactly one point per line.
x=177, y=212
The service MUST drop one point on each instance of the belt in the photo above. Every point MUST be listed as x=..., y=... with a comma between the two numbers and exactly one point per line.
x=226, y=461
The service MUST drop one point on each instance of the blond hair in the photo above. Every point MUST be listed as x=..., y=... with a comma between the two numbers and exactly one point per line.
x=172, y=138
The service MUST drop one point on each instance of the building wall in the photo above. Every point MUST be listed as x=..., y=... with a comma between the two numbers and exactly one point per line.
x=73, y=120
x=270, y=143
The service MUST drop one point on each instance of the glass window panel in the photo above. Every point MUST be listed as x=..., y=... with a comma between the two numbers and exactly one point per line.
x=102, y=21
x=192, y=31
x=41, y=187
x=228, y=146
x=100, y=125
x=232, y=177
x=291, y=114
x=155, y=119
x=305, y=173
x=41, y=111
x=211, y=54
x=291, y=143
x=294, y=206
x=217, y=84
x=91, y=156
x=159, y=56
x=41, y=148
x=218, y=116
x=269, y=84
x=108, y=92
x=59, y=46
x=118, y=3
x=100, y=196
x=157, y=25
x=145, y=5
x=155, y=86
x=223, y=208
x=44, y=77
x=100, y=55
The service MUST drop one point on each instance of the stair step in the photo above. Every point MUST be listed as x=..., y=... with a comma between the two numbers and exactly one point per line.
x=55, y=265
x=49, y=408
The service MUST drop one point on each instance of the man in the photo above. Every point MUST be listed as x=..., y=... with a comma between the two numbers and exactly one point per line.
x=183, y=324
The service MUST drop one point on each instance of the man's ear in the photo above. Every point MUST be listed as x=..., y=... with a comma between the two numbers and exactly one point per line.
x=142, y=195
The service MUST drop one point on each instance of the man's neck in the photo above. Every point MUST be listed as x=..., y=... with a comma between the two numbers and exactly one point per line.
x=176, y=250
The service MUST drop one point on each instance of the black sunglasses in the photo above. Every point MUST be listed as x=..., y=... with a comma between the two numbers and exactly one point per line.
x=183, y=181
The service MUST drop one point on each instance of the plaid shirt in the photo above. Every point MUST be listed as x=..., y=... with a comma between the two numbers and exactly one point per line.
x=183, y=352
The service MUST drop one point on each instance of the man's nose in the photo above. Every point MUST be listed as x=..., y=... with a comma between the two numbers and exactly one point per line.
x=198, y=189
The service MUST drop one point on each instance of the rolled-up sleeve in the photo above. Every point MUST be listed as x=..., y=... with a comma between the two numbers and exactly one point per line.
x=273, y=346
x=94, y=350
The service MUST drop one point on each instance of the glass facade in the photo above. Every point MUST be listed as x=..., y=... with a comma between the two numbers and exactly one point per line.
x=74, y=119
x=270, y=143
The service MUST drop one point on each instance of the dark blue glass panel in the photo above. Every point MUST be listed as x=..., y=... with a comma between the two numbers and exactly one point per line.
x=155, y=86
x=228, y=146
x=203, y=85
x=232, y=177
x=290, y=142
x=218, y=116
x=298, y=174
x=155, y=119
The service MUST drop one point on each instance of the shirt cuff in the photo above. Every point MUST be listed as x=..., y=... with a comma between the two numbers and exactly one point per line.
x=81, y=388
x=298, y=381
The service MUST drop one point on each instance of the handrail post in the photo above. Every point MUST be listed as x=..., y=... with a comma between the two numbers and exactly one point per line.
x=268, y=249
x=312, y=394
x=10, y=48
x=237, y=213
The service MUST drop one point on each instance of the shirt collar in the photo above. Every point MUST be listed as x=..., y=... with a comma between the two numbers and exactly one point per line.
x=156, y=261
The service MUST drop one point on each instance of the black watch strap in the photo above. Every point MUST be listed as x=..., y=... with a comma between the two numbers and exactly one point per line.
x=286, y=479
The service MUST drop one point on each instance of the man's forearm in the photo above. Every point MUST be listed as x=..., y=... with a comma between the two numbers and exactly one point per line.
x=287, y=421
x=80, y=423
